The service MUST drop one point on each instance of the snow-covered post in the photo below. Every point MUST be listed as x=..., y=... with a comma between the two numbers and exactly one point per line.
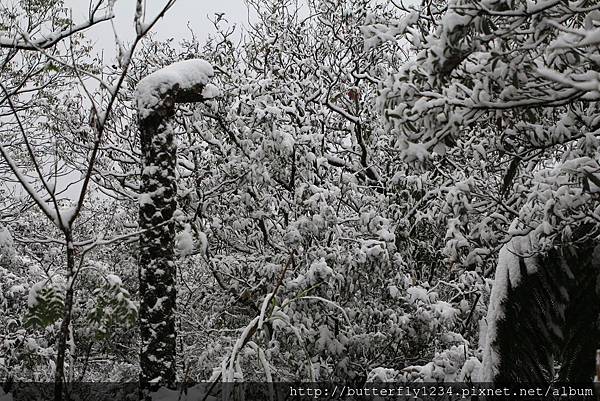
x=156, y=96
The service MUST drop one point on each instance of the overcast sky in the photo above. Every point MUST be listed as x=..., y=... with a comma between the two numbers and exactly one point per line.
x=173, y=25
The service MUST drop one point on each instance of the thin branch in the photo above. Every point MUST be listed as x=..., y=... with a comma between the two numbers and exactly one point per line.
x=53, y=38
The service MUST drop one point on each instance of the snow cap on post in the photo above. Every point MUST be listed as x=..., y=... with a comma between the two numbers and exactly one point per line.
x=181, y=82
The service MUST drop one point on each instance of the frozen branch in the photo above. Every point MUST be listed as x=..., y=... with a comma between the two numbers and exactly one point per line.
x=27, y=43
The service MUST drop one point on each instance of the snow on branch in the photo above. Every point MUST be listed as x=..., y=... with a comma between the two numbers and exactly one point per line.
x=181, y=82
x=27, y=43
x=584, y=82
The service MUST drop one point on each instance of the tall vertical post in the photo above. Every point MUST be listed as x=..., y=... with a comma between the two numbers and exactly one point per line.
x=156, y=96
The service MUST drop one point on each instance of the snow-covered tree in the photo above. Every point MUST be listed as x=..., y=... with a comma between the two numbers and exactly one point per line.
x=337, y=207
x=47, y=65
x=505, y=91
x=297, y=203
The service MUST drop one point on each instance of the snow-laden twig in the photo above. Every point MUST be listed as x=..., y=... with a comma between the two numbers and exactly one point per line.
x=263, y=309
x=44, y=207
x=27, y=43
x=228, y=376
x=328, y=302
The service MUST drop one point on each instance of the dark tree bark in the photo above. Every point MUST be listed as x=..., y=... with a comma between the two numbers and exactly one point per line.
x=551, y=318
x=156, y=97
x=59, y=374
x=157, y=265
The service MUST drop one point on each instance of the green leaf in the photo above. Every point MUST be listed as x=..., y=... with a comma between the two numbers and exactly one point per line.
x=48, y=309
x=592, y=178
x=114, y=308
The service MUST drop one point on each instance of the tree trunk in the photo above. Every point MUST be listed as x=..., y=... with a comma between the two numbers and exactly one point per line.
x=59, y=374
x=550, y=317
x=157, y=267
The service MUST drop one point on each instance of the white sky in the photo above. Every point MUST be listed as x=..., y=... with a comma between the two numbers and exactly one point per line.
x=173, y=25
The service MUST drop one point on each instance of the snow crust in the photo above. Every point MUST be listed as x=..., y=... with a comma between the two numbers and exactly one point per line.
x=381, y=374
x=185, y=74
x=210, y=91
x=33, y=294
x=114, y=280
x=6, y=244
x=184, y=241
x=5, y=237
x=418, y=293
